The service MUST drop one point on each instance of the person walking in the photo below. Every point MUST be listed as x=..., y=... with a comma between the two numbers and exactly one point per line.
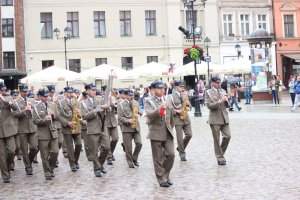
x=274, y=86
x=216, y=100
x=292, y=89
x=297, y=93
x=248, y=87
x=233, y=91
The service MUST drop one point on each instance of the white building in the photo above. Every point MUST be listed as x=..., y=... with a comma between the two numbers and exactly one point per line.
x=121, y=33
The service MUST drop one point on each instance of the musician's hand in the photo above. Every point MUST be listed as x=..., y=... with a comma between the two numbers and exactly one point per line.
x=131, y=121
x=76, y=111
x=48, y=118
x=27, y=108
x=178, y=111
x=71, y=124
x=84, y=122
x=105, y=107
x=224, y=98
x=163, y=105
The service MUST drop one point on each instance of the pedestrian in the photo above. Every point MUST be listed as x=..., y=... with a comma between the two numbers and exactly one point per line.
x=292, y=89
x=7, y=133
x=248, y=89
x=297, y=93
x=44, y=113
x=280, y=89
x=71, y=130
x=26, y=129
x=180, y=104
x=93, y=111
x=233, y=91
x=274, y=87
x=224, y=85
x=216, y=100
x=128, y=114
x=160, y=124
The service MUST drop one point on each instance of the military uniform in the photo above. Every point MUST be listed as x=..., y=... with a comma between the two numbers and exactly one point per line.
x=7, y=133
x=66, y=112
x=27, y=133
x=18, y=152
x=97, y=131
x=46, y=134
x=160, y=125
x=112, y=128
x=125, y=113
x=218, y=120
x=181, y=125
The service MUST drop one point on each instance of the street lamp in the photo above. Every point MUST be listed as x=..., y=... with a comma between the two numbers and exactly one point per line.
x=207, y=45
x=189, y=4
x=67, y=36
x=238, y=50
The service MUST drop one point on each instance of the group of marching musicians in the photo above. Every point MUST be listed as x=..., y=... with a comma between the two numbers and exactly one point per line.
x=47, y=122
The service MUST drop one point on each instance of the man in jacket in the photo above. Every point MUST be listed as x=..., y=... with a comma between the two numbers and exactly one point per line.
x=217, y=101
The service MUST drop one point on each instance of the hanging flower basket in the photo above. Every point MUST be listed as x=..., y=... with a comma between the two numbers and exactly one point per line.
x=195, y=52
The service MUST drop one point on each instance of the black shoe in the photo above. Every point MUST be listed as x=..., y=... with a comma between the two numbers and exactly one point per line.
x=66, y=155
x=52, y=174
x=136, y=163
x=28, y=171
x=48, y=178
x=98, y=173
x=169, y=182
x=123, y=146
x=221, y=162
x=239, y=109
x=77, y=165
x=6, y=180
x=131, y=166
x=90, y=159
x=231, y=109
x=103, y=170
x=109, y=161
x=164, y=184
x=113, y=158
x=57, y=162
x=183, y=159
x=35, y=161
x=19, y=157
x=73, y=168
x=177, y=149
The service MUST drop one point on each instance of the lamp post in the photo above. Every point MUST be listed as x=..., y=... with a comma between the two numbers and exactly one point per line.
x=189, y=4
x=67, y=36
x=207, y=45
x=238, y=50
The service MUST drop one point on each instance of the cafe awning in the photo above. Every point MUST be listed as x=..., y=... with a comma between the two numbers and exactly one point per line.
x=295, y=57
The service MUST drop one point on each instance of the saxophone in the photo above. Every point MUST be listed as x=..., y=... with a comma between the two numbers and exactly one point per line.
x=185, y=108
x=135, y=114
x=76, y=118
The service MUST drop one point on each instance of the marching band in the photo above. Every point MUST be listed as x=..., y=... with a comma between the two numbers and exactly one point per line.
x=48, y=122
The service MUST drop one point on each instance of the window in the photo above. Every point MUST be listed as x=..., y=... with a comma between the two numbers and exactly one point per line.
x=100, y=61
x=47, y=63
x=8, y=27
x=46, y=24
x=7, y=2
x=73, y=23
x=245, y=25
x=152, y=59
x=228, y=24
x=189, y=20
x=150, y=17
x=125, y=23
x=99, y=23
x=9, y=60
x=262, y=21
x=289, y=26
x=127, y=63
x=75, y=65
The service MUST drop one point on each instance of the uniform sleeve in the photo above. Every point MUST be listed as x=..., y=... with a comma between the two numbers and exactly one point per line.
x=37, y=120
x=87, y=115
x=64, y=122
x=210, y=103
x=150, y=112
x=121, y=117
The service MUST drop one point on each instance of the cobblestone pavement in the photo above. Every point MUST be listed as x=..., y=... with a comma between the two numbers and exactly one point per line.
x=262, y=163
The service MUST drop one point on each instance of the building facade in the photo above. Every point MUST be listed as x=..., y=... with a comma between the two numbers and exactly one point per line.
x=125, y=34
x=237, y=20
x=287, y=32
x=12, y=42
